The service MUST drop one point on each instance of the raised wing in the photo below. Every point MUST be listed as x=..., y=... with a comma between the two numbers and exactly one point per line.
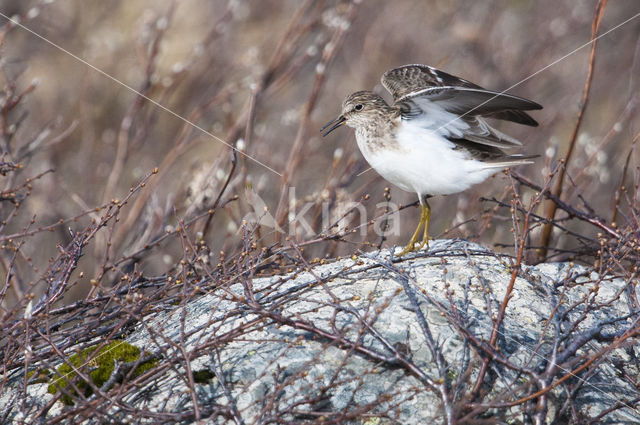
x=465, y=101
x=420, y=83
x=409, y=79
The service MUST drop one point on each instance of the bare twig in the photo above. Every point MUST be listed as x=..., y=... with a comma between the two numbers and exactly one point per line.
x=550, y=208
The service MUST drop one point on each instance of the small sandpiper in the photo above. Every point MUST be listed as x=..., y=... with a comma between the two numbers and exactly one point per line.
x=433, y=139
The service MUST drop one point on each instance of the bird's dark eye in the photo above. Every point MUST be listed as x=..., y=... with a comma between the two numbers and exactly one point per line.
x=358, y=107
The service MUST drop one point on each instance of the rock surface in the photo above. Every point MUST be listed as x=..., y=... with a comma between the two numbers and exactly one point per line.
x=343, y=350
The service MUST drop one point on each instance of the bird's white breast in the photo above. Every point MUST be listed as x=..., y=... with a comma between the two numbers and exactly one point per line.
x=423, y=161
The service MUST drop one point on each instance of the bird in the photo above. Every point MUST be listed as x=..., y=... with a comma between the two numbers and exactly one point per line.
x=433, y=138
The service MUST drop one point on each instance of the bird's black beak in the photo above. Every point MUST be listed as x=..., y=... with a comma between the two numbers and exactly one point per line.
x=332, y=125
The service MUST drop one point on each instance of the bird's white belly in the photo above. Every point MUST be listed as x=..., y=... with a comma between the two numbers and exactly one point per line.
x=425, y=163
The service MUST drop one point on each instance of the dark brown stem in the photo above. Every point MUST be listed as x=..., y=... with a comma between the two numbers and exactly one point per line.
x=550, y=208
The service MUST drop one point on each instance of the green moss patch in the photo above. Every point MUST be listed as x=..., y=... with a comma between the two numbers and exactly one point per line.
x=39, y=376
x=99, y=366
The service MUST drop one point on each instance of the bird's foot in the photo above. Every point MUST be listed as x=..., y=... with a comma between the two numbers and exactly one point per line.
x=425, y=218
x=412, y=247
x=425, y=242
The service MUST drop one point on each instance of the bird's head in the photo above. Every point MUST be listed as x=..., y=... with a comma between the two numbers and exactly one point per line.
x=359, y=109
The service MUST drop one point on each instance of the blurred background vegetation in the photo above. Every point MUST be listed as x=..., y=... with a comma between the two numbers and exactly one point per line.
x=264, y=76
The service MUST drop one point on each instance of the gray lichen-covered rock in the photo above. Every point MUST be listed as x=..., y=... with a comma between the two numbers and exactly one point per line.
x=343, y=343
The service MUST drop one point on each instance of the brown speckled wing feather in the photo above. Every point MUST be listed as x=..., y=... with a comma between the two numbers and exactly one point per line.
x=490, y=154
x=409, y=79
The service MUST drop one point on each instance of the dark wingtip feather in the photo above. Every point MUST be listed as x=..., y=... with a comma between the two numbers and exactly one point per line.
x=519, y=117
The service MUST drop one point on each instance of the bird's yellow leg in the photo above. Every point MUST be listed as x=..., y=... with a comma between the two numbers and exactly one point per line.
x=425, y=216
x=426, y=211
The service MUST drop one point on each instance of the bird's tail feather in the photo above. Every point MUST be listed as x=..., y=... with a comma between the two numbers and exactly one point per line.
x=510, y=161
